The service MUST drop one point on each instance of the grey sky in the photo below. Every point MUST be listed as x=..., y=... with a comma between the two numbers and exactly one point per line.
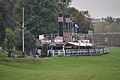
x=99, y=8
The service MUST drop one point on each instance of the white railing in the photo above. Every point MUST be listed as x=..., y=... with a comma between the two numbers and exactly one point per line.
x=79, y=52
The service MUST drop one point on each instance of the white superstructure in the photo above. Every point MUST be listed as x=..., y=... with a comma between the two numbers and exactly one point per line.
x=81, y=43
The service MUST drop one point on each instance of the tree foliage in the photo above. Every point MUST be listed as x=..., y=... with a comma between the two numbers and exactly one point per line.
x=109, y=24
x=13, y=39
x=6, y=9
x=9, y=42
x=105, y=27
x=82, y=19
x=30, y=41
x=40, y=16
x=2, y=22
x=111, y=20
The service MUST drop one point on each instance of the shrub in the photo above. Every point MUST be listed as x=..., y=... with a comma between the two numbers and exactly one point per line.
x=17, y=52
x=61, y=55
x=3, y=54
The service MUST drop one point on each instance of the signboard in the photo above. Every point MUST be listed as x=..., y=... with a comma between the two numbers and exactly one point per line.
x=90, y=32
x=41, y=37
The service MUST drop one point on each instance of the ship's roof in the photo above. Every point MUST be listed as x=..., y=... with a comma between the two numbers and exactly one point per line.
x=80, y=44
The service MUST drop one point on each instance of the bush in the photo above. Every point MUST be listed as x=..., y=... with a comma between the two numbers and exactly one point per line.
x=61, y=55
x=3, y=54
x=13, y=54
x=17, y=52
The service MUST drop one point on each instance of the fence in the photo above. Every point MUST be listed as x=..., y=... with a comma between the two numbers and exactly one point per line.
x=79, y=52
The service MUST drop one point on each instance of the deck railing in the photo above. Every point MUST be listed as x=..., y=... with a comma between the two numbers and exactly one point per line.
x=79, y=52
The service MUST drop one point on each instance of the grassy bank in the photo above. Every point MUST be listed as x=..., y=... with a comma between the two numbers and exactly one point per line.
x=105, y=67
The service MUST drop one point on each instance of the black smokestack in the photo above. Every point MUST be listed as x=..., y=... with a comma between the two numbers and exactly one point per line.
x=60, y=21
x=67, y=21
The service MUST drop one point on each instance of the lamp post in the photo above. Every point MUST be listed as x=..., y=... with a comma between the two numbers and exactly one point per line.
x=23, y=40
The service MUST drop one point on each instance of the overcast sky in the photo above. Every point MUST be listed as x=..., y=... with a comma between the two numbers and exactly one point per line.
x=99, y=8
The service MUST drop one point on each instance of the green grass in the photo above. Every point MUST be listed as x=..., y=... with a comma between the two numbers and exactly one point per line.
x=105, y=67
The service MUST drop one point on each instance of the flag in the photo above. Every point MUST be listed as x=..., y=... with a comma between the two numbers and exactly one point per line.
x=76, y=26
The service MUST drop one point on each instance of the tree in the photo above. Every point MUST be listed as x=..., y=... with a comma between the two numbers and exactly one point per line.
x=103, y=27
x=13, y=40
x=2, y=33
x=117, y=20
x=9, y=39
x=107, y=28
x=2, y=22
x=30, y=41
x=82, y=18
x=6, y=9
x=40, y=16
x=109, y=19
x=115, y=27
x=109, y=24
x=18, y=38
x=65, y=1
